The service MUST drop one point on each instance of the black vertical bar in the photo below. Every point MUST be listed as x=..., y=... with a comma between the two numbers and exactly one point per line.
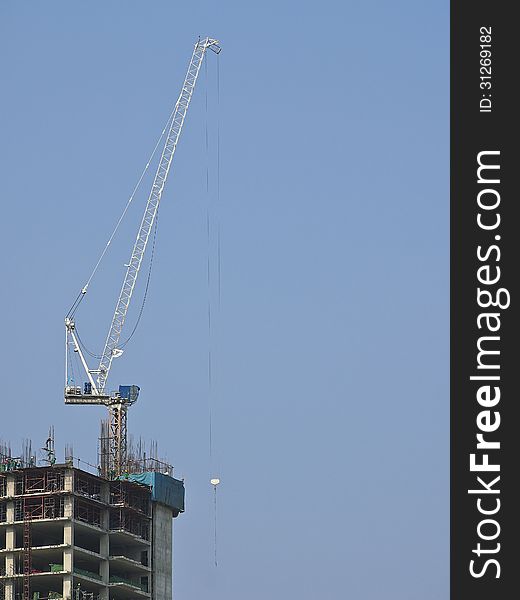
x=485, y=514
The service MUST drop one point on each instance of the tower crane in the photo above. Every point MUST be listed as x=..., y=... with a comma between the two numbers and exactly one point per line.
x=95, y=391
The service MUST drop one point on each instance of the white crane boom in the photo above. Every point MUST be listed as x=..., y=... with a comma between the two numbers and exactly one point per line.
x=181, y=108
x=93, y=394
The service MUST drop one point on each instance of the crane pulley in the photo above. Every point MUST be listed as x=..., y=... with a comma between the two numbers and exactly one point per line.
x=94, y=390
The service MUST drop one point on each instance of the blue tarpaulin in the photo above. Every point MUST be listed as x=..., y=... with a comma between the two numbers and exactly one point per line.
x=165, y=489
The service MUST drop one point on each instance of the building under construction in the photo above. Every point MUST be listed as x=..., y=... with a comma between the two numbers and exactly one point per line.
x=67, y=533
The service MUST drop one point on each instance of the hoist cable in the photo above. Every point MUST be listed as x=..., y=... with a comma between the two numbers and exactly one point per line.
x=75, y=360
x=82, y=344
x=218, y=177
x=208, y=265
x=207, y=135
x=211, y=340
x=84, y=348
x=218, y=257
x=215, y=522
x=71, y=366
x=147, y=283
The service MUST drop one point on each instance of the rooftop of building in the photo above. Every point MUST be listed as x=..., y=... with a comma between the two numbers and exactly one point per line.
x=32, y=480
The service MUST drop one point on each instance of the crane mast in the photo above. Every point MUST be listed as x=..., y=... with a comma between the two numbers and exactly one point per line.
x=94, y=391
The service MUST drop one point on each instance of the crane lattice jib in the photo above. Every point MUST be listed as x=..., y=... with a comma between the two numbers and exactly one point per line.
x=179, y=114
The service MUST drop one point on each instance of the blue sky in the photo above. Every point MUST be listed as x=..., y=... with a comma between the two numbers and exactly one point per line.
x=330, y=342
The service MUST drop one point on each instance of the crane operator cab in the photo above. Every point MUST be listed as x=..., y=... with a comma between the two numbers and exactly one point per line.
x=130, y=393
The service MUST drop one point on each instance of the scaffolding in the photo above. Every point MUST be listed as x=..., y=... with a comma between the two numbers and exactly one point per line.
x=87, y=513
x=124, y=519
x=40, y=481
x=126, y=495
x=27, y=555
x=40, y=507
x=87, y=486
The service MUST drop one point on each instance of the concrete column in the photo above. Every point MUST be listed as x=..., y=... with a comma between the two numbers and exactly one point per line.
x=68, y=533
x=68, y=558
x=173, y=542
x=9, y=583
x=104, y=545
x=105, y=492
x=9, y=509
x=103, y=593
x=68, y=508
x=9, y=564
x=11, y=487
x=68, y=553
x=104, y=569
x=162, y=551
x=69, y=480
x=9, y=590
x=67, y=587
x=10, y=538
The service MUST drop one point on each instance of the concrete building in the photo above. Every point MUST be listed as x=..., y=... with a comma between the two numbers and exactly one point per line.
x=67, y=533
